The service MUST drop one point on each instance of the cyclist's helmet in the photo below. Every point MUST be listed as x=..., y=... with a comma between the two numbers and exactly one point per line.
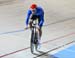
x=33, y=6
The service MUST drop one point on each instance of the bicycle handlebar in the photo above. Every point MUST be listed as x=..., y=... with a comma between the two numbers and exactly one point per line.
x=30, y=28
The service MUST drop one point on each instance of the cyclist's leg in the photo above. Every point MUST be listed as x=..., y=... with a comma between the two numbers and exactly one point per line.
x=40, y=28
x=30, y=24
x=40, y=32
x=39, y=38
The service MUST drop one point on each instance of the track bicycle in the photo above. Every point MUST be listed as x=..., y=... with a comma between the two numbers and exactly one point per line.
x=34, y=37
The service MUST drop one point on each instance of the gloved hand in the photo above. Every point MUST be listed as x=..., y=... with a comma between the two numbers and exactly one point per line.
x=26, y=27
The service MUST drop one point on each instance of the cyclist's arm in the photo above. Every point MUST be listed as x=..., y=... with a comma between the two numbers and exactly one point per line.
x=41, y=21
x=28, y=17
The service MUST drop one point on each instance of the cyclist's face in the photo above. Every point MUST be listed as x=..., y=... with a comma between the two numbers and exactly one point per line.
x=33, y=10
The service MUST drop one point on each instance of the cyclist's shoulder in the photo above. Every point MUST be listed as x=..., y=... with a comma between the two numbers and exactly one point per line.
x=40, y=7
x=29, y=11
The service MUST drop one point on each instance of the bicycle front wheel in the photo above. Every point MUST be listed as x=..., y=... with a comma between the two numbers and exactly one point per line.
x=32, y=42
x=36, y=40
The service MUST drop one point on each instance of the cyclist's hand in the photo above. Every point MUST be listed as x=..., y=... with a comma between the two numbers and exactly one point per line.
x=26, y=27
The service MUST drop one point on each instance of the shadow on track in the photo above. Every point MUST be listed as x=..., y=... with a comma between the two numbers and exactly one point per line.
x=44, y=55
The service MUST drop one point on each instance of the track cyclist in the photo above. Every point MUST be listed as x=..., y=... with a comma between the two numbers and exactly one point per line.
x=35, y=12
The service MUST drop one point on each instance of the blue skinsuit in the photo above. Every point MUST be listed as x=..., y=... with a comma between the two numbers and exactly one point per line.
x=39, y=12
